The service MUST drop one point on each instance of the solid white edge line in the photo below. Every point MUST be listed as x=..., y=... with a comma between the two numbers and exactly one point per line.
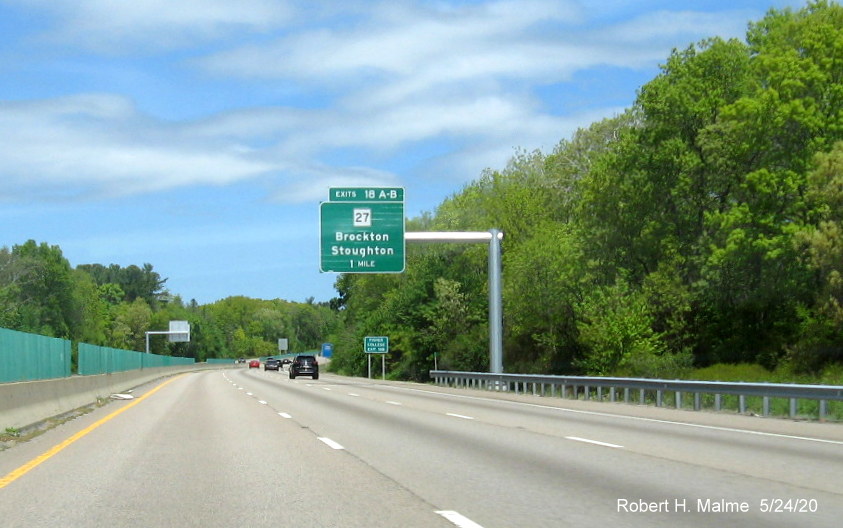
x=625, y=417
x=595, y=442
x=459, y=520
x=464, y=417
x=330, y=443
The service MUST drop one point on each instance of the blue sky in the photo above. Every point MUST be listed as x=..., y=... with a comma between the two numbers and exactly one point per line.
x=201, y=135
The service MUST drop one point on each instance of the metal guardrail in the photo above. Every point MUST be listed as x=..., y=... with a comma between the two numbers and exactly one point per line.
x=621, y=389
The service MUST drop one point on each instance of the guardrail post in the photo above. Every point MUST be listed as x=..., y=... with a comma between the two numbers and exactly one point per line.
x=793, y=408
x=823, y=410
x=626, y=395
x=642, y=398
x=717, y=402
x=697, y=401
x=611, y=394
x=658, y=398
x=742, y=404
x=765, y=411
x=678, y=397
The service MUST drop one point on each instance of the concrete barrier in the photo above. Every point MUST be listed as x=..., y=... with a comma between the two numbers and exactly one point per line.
x=27, y=403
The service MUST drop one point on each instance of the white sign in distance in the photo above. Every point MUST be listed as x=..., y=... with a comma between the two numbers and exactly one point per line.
x=179, y=332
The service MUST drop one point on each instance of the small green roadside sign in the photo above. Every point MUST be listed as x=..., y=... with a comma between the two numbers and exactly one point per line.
x=376, y=344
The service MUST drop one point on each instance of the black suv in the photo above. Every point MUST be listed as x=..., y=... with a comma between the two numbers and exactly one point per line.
x=304, y=366
x=272, y=364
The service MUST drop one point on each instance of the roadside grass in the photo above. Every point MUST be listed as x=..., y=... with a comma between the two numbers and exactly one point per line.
x=750, y=373
x=12, y=436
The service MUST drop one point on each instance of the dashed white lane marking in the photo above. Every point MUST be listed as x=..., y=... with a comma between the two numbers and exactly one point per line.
x=330, y=443
x=460, y=520
x=464, y=417
x=326, y=388
x=595, y=442
x=284, y=415
x=634, y=418
x=393, y=402
x=353, y=394
x=262, y=402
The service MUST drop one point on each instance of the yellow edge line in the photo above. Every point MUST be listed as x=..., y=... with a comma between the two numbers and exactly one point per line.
x=35, y=462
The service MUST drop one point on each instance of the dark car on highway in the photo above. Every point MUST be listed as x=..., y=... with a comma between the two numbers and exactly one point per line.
x=272, y=364
x=304, y=366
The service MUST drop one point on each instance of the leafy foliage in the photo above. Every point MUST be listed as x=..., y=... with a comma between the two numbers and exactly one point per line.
x=115, y=306
x=701, y=226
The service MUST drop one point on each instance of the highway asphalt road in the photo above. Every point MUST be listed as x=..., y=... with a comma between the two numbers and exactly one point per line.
x=242, y=447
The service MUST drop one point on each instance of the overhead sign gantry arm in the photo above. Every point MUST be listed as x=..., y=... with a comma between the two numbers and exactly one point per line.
x=493, y=237
x=362, y=231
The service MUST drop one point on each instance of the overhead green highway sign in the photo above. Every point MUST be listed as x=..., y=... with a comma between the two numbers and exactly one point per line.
x=363, y=231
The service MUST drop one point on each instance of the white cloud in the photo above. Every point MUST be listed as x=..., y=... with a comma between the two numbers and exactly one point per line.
x=110, y=26
x=390, y=76
x=90, y=145
x=395, y=39
x=665, y=27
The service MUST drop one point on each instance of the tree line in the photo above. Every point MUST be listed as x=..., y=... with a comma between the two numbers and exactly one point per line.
x=115, y=306
x=704, y=225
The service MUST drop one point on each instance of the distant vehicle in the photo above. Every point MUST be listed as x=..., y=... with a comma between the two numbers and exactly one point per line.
x=254, y=364
x=241, y=360
x=286, y=361
x=304, y=366
x=272, y=364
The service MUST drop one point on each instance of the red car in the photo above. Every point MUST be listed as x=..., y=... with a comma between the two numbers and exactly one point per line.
x=254, y=364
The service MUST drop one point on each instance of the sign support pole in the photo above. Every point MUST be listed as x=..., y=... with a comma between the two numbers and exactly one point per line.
x=493, y=237
x=495, y=305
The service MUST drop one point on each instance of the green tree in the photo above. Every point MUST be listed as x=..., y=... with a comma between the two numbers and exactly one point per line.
x=821, y=244
x=131, y=322
x=616, y=330
x=546, y=280
x=135, y=282
x=44, y=287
